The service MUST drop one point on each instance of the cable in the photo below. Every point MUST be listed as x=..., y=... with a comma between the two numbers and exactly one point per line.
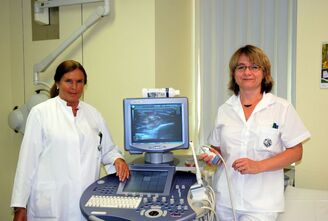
x=198, y=173
x=212, y=211
x=198, y=191
x=200, y=197
x=211, y=194
x=228, y=182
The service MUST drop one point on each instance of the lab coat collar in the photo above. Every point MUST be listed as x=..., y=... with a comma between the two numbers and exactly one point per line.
x=64, y=103
x=234, y=102
x=266, y=101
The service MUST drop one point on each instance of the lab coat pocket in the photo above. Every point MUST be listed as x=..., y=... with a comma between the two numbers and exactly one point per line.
x=43, y=200
x=268, y=139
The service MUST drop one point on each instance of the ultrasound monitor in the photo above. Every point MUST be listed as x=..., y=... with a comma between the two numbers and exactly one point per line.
x=155, y=126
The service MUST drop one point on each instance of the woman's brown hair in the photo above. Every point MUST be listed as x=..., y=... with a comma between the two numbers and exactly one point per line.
x=63, y=68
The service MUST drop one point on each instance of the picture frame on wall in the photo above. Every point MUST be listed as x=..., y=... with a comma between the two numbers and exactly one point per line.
x=324, y=66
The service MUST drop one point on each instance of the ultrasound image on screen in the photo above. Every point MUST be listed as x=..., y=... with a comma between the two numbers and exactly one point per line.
x=156, y=123
x=146, y=182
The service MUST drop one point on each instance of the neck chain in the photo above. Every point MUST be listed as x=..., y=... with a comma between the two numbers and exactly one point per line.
x=250, y=105
x=247, y=105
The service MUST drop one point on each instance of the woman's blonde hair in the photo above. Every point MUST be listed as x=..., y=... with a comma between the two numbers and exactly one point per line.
x=256, y=56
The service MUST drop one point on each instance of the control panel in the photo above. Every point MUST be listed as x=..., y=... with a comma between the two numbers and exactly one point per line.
x=153, y=192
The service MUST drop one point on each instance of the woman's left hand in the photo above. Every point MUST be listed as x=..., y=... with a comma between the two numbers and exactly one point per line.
x=122, y=169
x=246, y=166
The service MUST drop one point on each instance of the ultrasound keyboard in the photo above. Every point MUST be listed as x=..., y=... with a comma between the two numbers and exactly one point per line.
x=114, y=202
x=156, y=193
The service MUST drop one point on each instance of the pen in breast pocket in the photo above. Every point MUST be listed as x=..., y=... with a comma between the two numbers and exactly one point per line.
x=100, y=140
x=275, y=126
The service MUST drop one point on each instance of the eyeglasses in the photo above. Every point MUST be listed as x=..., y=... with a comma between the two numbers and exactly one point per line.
x=253, y=68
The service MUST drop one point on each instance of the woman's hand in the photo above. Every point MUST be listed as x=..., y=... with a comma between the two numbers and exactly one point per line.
x=205, y=157
x=246, y=166
x=208, y=158
x=277, y=162
x=122, y=169
x=20, y=214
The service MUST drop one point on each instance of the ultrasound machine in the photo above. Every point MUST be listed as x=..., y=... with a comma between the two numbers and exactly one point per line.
x=156, y=189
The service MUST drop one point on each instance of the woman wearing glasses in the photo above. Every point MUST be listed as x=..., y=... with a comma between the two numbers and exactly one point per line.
x=258, y=134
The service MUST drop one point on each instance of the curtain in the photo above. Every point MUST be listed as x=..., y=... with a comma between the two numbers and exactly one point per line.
x=222, y=26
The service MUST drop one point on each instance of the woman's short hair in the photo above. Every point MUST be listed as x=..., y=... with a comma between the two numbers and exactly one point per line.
x=256, y=56
x=63, y=68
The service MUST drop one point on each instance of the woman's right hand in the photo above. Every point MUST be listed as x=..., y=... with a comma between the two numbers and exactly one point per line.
x=20, y=214
x=207, y=158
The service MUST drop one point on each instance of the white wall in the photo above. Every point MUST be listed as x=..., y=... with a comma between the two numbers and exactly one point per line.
x=11, y=91
x=311, y=101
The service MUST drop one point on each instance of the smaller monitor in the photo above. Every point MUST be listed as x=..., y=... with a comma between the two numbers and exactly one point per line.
x=156, y=125
x=147, y=179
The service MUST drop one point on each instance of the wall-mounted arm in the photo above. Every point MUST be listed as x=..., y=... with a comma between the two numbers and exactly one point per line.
x=94, y=17
x=57, y=3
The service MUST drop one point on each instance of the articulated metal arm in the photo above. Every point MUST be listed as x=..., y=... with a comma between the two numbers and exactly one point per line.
x=94, y=17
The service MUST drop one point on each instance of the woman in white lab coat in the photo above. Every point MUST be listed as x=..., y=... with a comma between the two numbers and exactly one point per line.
x=64, y=144
x=258, y=134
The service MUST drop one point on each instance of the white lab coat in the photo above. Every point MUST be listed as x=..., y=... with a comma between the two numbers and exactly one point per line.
x=59, y=157
x=272, y=127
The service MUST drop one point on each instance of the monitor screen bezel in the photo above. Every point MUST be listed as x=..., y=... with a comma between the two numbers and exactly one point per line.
x=137, y=148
